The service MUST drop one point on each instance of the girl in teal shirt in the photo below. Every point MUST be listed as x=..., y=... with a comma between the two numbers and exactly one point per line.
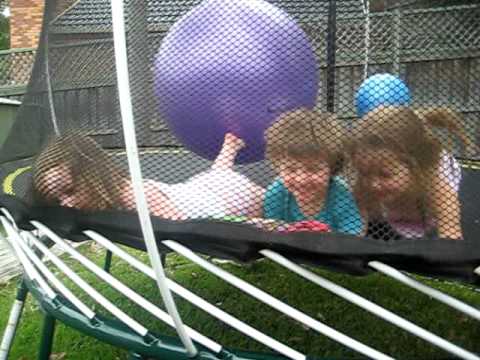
x=340, y=210
x=306, y=150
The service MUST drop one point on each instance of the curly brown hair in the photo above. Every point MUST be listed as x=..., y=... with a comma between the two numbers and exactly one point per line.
x=305, y=133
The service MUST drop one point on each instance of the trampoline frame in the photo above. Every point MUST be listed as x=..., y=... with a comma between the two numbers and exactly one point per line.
x=56, y=306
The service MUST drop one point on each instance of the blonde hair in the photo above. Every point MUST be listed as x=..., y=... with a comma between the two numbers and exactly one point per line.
x=93, y=171
x=306, y=133
x=451, y=121
x=410, y=136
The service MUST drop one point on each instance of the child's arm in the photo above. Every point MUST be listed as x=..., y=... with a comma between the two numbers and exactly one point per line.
x=230, y=148
x=158, y=203
x=256, y=208
x=348, y=217
x=446, y=207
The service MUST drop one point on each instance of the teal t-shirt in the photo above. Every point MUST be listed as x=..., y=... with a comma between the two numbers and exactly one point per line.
x=340, y=210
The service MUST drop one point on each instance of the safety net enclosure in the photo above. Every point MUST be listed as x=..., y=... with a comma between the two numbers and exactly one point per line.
x=341, y=134
x=329, y=132
x=326, y=131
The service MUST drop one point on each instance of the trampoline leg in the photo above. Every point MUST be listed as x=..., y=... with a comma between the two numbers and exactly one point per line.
x=13, y=321
x=135, y=356
x=108, y=261
x=47, y=337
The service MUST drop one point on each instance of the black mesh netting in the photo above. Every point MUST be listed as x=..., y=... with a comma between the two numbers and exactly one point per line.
x=331, y=131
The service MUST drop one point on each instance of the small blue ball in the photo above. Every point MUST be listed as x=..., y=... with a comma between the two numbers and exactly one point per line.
x=381, y=89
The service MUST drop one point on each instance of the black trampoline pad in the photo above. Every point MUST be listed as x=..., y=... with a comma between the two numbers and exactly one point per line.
x=177, y=165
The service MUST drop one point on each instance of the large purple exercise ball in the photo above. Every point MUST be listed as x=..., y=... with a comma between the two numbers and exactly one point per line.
x=232, y=66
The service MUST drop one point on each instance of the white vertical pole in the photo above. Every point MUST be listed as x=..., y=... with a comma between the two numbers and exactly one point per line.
x=123, y=85
x=50, y=91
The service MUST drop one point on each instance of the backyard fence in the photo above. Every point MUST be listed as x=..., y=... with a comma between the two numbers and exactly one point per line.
x=436, y=51
x=15, y=68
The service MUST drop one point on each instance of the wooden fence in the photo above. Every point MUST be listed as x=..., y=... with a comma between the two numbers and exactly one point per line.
x=15, y=69
x=436, y=51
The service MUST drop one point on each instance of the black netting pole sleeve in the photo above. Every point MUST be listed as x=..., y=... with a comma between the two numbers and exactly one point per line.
x=139, y=58
x=331, y=48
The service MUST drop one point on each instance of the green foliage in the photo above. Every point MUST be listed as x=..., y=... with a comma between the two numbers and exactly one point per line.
x=4, y=32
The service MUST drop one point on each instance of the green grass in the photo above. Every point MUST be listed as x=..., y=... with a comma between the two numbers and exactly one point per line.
x=288, y=287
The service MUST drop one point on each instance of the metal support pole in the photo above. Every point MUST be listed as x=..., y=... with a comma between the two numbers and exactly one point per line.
x=13, y=320
x=108, y=261
x=46, y=343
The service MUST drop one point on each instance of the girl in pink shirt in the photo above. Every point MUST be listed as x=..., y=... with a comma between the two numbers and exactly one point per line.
x=405, y=174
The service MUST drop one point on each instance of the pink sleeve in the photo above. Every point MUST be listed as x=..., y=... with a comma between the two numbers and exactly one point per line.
x=450, y=170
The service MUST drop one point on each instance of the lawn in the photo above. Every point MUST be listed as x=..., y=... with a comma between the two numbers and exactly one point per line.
x=286, y=286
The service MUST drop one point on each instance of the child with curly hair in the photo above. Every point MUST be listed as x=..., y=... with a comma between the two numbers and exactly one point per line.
x=305, y=148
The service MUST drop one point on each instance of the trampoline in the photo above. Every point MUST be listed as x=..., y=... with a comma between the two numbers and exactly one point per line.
x=151, y=88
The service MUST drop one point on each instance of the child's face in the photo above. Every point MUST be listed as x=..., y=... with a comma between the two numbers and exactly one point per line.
x=305, y=177
x=386, y=177
x=59, y=186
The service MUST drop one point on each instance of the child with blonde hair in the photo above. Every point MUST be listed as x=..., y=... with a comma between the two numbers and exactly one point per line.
x=305, y=148
x=74, y=171
x=406, y=176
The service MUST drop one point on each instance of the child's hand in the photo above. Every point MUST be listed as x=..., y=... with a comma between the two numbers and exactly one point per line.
x=307, y=226
x=232, y=141
x=267, y=224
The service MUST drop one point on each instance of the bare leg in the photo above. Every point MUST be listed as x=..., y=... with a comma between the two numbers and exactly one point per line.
x=230, y=148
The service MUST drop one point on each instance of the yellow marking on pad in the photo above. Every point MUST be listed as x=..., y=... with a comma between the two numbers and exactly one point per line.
x=470, y=164
x=10, y=178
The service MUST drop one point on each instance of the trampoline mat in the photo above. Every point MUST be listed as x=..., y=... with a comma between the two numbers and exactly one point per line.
x=16, y=176
x=451, y=259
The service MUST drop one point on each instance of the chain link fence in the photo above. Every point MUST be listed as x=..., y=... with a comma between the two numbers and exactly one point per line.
x=436, y=51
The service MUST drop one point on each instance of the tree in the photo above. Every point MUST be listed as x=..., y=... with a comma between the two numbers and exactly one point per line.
x=4, y=32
